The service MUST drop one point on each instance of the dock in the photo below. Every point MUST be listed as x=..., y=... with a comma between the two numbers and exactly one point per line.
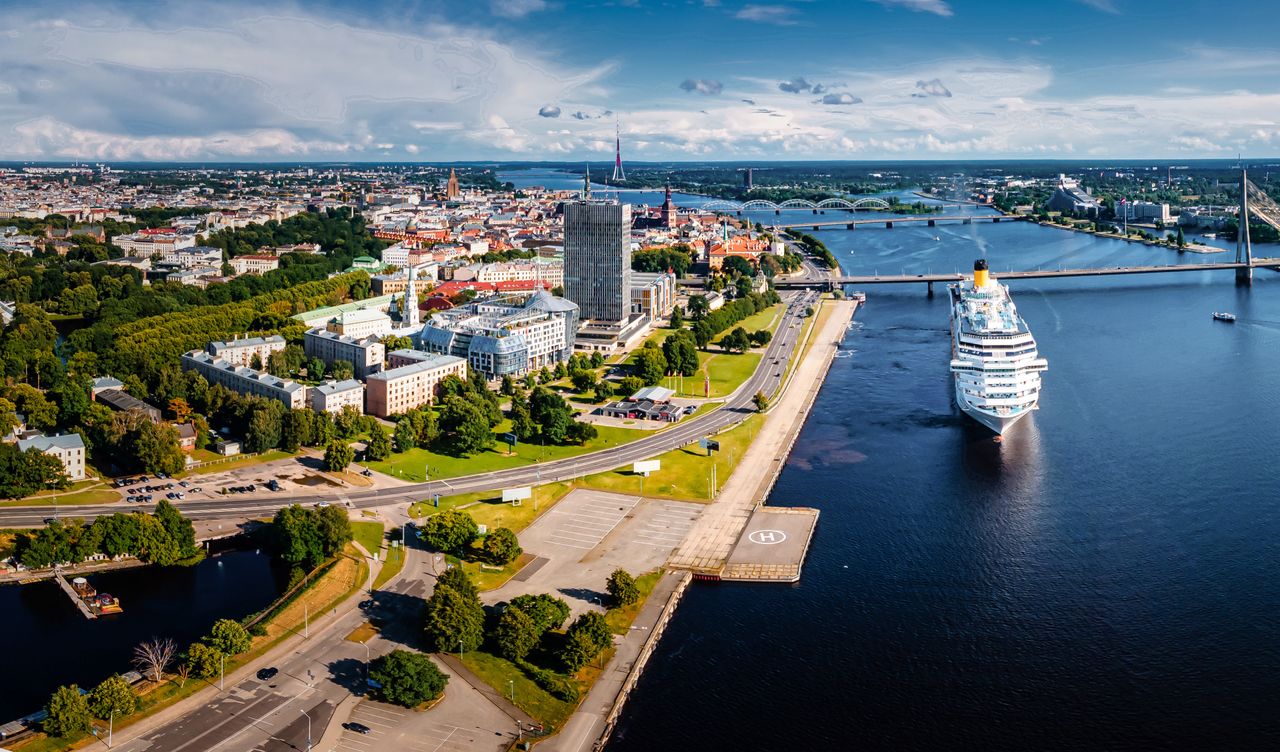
x=772, y=546
x=75, y=597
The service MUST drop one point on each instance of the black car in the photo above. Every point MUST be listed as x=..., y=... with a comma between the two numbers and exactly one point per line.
x=267, y=674
x=359, y=728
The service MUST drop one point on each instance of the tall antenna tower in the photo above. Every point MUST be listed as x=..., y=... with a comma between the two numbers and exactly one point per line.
x=618, y=175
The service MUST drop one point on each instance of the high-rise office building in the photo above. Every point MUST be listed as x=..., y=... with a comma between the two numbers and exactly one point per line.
x=597, y=258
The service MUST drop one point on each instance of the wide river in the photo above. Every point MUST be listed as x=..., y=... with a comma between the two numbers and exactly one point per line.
x=1104, y=579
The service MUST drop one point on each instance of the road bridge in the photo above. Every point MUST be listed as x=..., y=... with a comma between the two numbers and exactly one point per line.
x=930, y=279
x=929, y=220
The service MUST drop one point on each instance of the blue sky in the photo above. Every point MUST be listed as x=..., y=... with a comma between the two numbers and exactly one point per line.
x=682, y=79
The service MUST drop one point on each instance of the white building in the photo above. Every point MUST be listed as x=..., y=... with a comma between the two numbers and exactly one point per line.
x=366, y=354
x=69, y=449
x=148, y=243
x=367, y=322
x=332, y=396
x=245, y=380
x=240, y=352
x=1138, y=211
x=506, y=335
x=255, y=263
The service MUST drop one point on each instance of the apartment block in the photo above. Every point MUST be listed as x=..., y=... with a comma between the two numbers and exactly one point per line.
x=240, y=352
x=397, y=390
x=332, y=396
x=365, y=354
x=245, y=380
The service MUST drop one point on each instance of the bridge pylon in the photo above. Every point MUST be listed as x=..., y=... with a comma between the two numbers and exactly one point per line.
x=1244, y=247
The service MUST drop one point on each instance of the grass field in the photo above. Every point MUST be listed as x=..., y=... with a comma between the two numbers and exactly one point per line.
x=390, y=567
x=620, y=619
x=529, y=697
x=415, y=463
x=488, y=509
x=87, y=496
x=368, y=534
x=487, y=577
x=686, y=472
x=231, y=464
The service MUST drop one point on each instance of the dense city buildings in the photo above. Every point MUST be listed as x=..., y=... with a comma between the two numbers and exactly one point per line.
x=396, y=390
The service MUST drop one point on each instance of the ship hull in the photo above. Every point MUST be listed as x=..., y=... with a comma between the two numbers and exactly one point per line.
x=999, y=424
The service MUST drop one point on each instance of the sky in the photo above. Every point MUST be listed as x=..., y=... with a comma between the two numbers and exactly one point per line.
x=733, y=80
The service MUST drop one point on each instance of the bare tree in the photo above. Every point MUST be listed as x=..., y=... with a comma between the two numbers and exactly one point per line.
x=154, y=656
x=183, y=672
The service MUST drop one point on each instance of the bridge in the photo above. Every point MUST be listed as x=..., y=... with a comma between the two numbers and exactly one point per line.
x=927, y=219
x=759, y=204
x=930, y=279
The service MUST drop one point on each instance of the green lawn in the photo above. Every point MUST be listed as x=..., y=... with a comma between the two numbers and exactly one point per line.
x=620, y=619
x=488, y=577
x=391, y=567
x=257, y=459
x=413, y=464
x=500, y=673
x=87, y=496
x=686, y=472
x=766, y=319
x=368, y=534
x=487, y=507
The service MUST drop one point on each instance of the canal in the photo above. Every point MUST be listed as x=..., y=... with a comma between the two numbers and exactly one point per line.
x=48, y=643
x=1102, y=579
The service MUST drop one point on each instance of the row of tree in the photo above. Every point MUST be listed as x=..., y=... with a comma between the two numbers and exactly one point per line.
x=456, y=533
x=164, y=538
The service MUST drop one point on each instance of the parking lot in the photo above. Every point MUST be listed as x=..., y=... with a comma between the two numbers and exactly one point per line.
x=395, y=728
x=590, y=533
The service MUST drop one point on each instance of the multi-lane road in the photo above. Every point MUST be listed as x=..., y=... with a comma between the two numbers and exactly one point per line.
x=738, y=407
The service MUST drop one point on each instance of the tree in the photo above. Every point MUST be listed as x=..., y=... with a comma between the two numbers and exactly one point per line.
x=736, y=340
x=178, y=527
x=333, y=527
x=577, y=651
x=454, y=620
x=153, y=657
x=551, y=413
x=677, y=317
x=761, y=337
x=456, y=578
x=113, y=696
x=205, y=662
x=508, y=385
x=580, y=433
x=466, y=425
x=650, y=365
x=407, y=679
x=155, y=544
x=295, y=537
x=761, y=401
x=341, y=370
x=228, y=637
x=501, y=547
x=515, y=634
x=68, y=713
x=337, y=455
x=622, y=588
x=586, y=637
x=379, y=445
x=681, y=352
x=449, y=531
x=698, y=307
x=630, y=385
x=522, y=424
x=405, y=436
x=597, y=359
x=315, y=368
x=156, y=449
x=1181, y=238
x=583, y=380
x=547, y=611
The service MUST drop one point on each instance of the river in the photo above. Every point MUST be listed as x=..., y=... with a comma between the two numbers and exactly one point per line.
x=1103, y=579
x=48, y=643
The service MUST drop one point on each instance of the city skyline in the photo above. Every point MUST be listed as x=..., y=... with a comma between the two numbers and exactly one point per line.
x=537, y=79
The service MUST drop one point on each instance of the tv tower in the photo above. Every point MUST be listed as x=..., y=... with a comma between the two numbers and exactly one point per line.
x=618, y=175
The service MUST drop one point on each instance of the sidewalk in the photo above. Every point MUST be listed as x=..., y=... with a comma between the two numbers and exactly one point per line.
x=706, y=548
x=599, y=709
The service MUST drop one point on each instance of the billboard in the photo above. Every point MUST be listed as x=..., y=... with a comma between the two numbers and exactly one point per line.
x=646, y=466
x=516, y=495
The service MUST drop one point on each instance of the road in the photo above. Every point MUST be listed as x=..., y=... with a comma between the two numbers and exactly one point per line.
x=737, y=408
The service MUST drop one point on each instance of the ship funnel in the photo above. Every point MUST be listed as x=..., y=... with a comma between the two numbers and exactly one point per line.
x=980, y=273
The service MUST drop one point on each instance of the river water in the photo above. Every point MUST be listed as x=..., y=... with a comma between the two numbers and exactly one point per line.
x=1103, y=579
x=48, y=643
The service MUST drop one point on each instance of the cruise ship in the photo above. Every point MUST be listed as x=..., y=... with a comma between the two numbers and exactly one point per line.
x=994, y=361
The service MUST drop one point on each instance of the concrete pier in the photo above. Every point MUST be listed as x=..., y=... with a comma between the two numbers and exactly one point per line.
x=772, y=546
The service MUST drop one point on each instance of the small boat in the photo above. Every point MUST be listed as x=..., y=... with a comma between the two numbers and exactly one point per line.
x=1224, y=316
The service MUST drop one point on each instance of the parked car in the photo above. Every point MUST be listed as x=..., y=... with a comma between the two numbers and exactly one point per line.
x=357, y=727
x=268, y=673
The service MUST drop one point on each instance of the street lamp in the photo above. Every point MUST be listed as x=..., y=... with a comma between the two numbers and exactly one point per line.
x=308, y=715
x=366, y=661
x=512, y=682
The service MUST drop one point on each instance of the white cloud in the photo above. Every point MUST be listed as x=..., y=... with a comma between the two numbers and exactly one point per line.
x=936, y=7
x=516, y=8
x=841, y=98
x=549, y=111
x=775, y=14
x=933, y=88
x=1106, y=6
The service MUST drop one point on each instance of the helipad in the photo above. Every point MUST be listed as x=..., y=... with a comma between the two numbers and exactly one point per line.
x=772, y=546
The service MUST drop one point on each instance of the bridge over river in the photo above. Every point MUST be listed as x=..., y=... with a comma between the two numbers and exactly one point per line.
x=930, y=279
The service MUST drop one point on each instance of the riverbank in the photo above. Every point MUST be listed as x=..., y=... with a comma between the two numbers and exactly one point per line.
x=1189, y=247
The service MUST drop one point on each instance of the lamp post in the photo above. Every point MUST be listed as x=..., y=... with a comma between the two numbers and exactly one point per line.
x=111, y=727
x=366, y=661
x=222, y=671
x=308, y=716
x=512, y=682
